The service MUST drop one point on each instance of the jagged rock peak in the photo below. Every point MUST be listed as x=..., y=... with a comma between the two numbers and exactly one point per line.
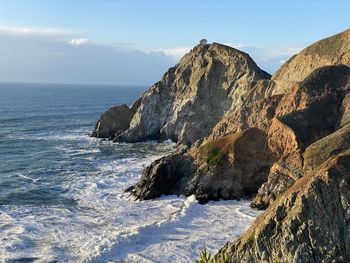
x=192, y=97
x=333, y=50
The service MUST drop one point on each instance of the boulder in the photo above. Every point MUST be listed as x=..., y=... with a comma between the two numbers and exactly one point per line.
x=114, y=121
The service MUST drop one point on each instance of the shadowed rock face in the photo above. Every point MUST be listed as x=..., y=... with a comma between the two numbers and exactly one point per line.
x=308, y=223
x=319, y=114
x=321, y=150
x=231, y=167
x=115, y=120
x=166, y=176
x=194, y=95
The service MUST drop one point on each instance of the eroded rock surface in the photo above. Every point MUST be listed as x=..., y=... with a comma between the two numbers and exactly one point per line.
x=285, y=138
x=308, y=223
x=232, y=167
x=194, y=95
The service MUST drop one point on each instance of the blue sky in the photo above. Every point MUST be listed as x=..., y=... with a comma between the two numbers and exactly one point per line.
x=134, y=42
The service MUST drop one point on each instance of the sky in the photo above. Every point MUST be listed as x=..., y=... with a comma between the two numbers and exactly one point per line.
x=134, y=42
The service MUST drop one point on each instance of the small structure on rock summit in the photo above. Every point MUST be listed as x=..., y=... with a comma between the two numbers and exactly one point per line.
x=203, y=42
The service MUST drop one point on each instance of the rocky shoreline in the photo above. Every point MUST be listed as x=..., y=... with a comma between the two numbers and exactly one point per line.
x=241, y=132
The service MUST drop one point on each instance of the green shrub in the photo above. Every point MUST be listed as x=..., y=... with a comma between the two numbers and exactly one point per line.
x=214, y=151
x=214, y=157
x=207, y=257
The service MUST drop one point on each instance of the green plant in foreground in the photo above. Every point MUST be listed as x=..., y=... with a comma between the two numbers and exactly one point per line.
x=207, y=257
x=274, y=260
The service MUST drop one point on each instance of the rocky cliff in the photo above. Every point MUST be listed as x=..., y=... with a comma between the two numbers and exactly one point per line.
x=308, y=223
x=191, y=98
x=283, y=140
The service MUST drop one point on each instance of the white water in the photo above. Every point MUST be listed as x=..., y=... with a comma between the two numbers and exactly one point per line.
x=107, y=224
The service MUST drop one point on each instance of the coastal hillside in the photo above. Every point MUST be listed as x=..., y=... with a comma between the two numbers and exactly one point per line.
x=283, y=141
x=333, y=50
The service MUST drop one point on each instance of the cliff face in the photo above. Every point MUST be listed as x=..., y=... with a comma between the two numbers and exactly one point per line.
x=193, y=96
x=219, y=169
x=114, y=121
x=308, y=223
x=275, y=130
x=285, y=140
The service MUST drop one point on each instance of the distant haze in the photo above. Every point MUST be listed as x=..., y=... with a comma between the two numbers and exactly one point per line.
x=46, y=58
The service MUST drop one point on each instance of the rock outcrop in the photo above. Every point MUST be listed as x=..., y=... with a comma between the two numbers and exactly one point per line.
x=308, y=223
x=114, y=121
x=231, y=167
x=193, y=96
x=285, y=139
x=318, y=114
x=291, y=119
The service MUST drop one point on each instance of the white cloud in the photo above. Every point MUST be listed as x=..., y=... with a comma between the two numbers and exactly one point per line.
x=52, y=56
x=79, y=41
x=237, y=46
x=27, y=31
x=174, y=53
x=281, y=51
x=268, y=58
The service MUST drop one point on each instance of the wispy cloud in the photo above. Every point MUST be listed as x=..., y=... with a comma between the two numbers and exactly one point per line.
x=268, y=58
x=268, y=52
x=237, y=45
x=175, y=53
x=79, y=41
x=35, y=31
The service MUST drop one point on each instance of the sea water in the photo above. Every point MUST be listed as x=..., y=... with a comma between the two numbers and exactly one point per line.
x=62, y=193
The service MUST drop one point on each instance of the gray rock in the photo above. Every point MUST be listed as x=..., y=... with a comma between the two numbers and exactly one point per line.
x=193, y=96
x=114, y=121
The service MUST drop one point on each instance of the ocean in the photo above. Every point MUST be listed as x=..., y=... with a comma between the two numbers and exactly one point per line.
x=62, y=193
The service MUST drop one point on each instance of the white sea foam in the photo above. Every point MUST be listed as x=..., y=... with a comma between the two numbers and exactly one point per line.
x=107, y=224
x=27, y=177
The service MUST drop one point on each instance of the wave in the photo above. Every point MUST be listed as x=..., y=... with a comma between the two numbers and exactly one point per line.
x=102, y=222
x=21, y=175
